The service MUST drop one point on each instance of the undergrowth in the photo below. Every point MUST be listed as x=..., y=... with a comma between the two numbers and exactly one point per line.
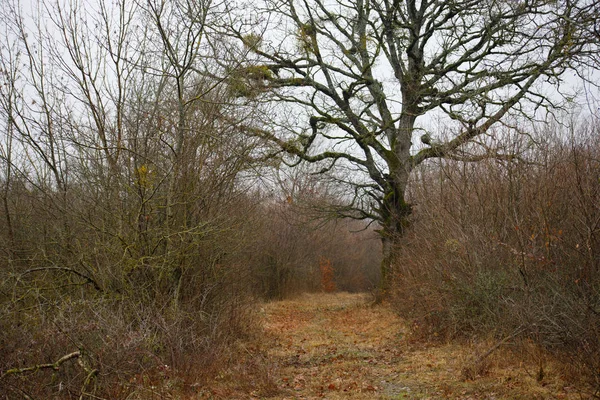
x=510, y=248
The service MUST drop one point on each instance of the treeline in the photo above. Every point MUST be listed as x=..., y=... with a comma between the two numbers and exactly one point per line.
x=511, y=249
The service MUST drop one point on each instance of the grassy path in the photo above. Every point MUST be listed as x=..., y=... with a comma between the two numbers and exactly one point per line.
x=333, y=346
x=337, y=346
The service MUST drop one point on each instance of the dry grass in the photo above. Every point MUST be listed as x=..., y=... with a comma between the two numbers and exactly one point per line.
x=332, y=345
x=338, y=346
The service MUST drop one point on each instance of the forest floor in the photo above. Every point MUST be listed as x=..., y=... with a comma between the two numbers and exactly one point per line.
x=340, y=346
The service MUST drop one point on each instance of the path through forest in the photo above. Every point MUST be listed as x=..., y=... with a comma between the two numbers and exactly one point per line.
x=339, y=346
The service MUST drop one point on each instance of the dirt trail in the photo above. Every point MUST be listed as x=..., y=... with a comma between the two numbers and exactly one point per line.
x=337, y=346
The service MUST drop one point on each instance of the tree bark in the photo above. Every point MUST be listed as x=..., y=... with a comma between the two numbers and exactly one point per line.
x=395, y=210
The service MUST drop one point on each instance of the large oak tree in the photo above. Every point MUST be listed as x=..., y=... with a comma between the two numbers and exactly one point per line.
x=364, y=75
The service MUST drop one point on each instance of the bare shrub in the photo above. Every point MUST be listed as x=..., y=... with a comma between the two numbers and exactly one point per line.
x=501, y=246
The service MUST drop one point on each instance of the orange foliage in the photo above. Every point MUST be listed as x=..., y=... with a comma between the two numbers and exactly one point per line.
x=327, y=275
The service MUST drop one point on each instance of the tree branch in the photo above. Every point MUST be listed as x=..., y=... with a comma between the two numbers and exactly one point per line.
x=54, y=366
x=69, y=270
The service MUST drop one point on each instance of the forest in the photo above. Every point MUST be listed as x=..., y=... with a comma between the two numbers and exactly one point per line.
x=167, y=168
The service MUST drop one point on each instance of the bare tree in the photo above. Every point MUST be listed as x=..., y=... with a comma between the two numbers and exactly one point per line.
x=364, y=75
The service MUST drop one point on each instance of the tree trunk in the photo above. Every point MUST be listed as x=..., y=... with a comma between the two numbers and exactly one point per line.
x=394, y=225
x=388, y=250
x=395, y=211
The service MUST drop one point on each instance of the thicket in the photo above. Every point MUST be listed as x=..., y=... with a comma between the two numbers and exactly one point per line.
x=140, y=300
x=124, y=320
x=511, y=248
x=140, y=285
